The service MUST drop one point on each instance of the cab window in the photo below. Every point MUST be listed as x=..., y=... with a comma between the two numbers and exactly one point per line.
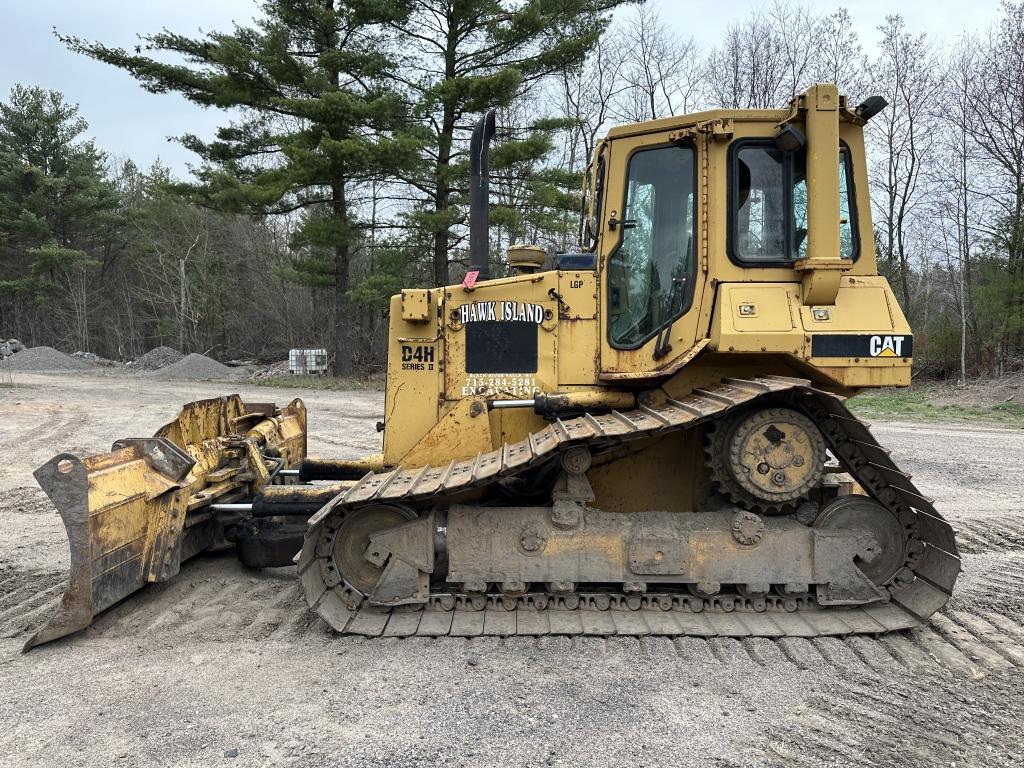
x=651, y=273
x=768, y=205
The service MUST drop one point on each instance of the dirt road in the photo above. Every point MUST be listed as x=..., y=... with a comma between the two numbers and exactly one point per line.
x=224, y=660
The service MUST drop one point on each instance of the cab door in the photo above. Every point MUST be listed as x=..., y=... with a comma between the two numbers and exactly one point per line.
x=652, y=282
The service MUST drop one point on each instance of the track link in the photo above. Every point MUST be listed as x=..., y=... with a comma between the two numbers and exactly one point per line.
x=916, y=591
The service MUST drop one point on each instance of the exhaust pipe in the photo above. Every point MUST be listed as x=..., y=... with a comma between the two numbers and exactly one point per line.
x=479, y=195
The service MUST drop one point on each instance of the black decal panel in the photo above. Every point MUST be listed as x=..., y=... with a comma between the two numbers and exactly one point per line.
x=501, y=347
x=862, y=345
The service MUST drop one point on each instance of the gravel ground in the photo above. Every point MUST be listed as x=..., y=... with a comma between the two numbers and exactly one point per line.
x=224, y=666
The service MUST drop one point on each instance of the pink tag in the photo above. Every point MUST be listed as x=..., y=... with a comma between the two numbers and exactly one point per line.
x=470, y=279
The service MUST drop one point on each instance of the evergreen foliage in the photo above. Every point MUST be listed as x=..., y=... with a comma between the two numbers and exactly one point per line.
x=318, y=118
x=463, y=57
x=59, y=217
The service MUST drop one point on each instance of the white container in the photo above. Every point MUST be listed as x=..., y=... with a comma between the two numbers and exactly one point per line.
x=307, y=362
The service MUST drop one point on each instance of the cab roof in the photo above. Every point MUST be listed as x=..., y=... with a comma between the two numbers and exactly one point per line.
x=679, y=122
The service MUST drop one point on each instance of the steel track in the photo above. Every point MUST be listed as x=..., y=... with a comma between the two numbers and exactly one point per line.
x=916, y=591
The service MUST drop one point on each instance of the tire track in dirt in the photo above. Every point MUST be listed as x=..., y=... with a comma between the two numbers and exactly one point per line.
x=28, y=597
x=27, y=600
x=993, y=534
x=870, y=717
x=54, y=428
x=870, y=713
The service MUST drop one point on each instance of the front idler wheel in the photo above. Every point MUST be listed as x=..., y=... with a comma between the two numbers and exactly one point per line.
x=852, y=513
x=351, y=555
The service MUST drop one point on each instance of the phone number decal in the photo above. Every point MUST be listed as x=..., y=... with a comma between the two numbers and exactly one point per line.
x=490, y=386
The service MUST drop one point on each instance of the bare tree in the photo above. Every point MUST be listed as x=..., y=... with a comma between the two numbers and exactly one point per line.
x=662, y=73
x=794, y=26
x=995, y=124
x=744, y=70
x=838, y=54
x=907, y=73
x=765, y=60
x=176, y=239
x=954, y=198
x=587, y=96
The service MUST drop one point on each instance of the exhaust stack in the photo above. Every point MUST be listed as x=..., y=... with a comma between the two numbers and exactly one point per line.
x=479, y=194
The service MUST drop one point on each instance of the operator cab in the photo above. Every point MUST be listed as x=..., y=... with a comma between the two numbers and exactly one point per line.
x=678, y=208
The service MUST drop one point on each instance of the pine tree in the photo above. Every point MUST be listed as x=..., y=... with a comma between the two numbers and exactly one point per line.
x=58, y=213
x=318, y=120
x=534, y=201
x=463, y=57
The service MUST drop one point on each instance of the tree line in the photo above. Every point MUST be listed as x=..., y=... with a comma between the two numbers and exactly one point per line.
x=340, y=173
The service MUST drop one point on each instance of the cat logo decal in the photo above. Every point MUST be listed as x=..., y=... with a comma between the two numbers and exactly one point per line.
x=886, y=346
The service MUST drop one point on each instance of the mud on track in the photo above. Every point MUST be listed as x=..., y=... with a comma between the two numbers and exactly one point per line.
x=223, y=658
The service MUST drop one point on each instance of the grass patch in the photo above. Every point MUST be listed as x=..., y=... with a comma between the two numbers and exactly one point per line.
x=914, y=405
x=323, y=383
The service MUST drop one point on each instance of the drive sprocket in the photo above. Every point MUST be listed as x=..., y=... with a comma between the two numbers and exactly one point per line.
x=766, y=459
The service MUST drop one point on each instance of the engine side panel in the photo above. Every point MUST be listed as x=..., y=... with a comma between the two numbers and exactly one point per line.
x=863, y=340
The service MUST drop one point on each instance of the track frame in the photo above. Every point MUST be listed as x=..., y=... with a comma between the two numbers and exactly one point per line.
x=918, y=589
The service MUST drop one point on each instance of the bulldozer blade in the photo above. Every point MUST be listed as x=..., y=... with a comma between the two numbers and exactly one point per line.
x=119, y=509
x=133, y=515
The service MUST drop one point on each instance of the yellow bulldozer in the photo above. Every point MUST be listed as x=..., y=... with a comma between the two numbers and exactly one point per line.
x=647, y=436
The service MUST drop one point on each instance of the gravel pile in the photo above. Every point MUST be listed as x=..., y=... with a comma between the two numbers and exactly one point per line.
x=44, y=359
x=272, y=371
x=157, y=358
x=195, y=366
x=10, y=347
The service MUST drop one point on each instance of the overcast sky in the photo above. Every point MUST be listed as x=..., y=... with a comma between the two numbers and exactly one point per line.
x=127, y=121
